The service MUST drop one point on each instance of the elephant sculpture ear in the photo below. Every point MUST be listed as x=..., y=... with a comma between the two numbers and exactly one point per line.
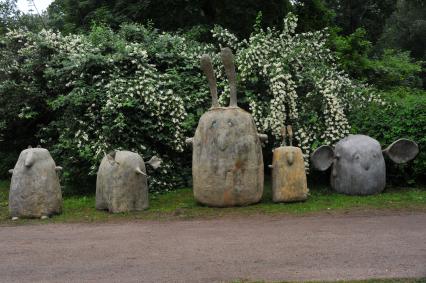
x=402, y=150
x=322, y=157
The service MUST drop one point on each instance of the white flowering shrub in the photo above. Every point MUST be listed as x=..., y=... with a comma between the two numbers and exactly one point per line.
x=139, y=89
x=293, y=79
x=128, y=90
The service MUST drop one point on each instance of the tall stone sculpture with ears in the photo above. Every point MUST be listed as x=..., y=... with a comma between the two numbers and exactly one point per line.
x=358, y=166
x=227, y=162
x=35, y=190
x=121, y=183
x=288, y=171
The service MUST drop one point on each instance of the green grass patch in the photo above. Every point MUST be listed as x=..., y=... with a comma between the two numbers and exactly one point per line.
x=180, y=204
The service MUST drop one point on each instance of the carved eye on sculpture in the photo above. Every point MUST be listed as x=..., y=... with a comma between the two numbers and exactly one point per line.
x=356, y=156
x=230, y=124
x=375, y=155
x=213, y=125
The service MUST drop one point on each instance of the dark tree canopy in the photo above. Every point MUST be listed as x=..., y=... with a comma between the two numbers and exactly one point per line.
x=239, y=16
x=367, y=14
x=313, y=15
x=406, y=28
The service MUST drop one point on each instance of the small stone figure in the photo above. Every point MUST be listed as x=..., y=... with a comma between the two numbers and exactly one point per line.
x=227, y=162
x=358, y=163
x=121, y=183
x=35, y=190
x=288, y=171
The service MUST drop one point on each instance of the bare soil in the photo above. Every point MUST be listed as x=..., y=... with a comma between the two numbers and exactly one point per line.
x=270, y=248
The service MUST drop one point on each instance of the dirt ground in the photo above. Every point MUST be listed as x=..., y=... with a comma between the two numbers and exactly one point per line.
x=322, y=247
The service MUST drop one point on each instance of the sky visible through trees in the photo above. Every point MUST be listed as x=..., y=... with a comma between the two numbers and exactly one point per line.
x=24, y=5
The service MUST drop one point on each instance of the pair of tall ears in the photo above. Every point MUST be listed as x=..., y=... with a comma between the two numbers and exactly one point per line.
x=287, y=131
x=400, y=151
x=228, y=63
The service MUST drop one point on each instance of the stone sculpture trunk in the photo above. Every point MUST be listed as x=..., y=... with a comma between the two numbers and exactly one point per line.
x=227, y=162
x=288, y=173
x=35, y=190
x=121, y=183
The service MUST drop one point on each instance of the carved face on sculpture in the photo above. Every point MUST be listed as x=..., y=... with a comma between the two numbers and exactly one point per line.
x=227, y=163
x=33, y=159
x=358, y=165
x=225, y=131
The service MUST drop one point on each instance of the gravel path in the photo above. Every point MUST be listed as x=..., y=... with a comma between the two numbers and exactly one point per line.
x=322, y=247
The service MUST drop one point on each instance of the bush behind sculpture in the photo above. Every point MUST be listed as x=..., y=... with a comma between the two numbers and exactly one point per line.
x=85, y=95
x=142, y=90
x=403, y=117
x=294, y=78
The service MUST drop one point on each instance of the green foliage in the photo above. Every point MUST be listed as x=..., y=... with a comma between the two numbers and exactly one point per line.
x=292, y=78
x=313, y=15
x=84, y=95
x=353, y=51
x=394, y=68
x=8, y=15
x=23, y=96
x=387, y=69
x=406, y=28
x=136, y=88
x=404, y=117
x=369, y=15
x=12, y=18
x=239, y=16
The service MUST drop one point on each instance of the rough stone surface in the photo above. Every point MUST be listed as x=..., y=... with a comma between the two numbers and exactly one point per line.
x=35, y=190
x=358, y=166
x=227, y=162
x=121, y=183
x=288, y=175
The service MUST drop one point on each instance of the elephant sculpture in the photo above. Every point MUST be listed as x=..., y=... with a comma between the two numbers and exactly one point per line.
x=358, y=164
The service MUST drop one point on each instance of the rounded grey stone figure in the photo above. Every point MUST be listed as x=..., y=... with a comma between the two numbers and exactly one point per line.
x=121, y=183
x=35, y=190
x=227, y=162
x=358, y=166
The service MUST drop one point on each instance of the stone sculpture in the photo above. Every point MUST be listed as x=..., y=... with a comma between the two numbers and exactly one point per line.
x=227, y=162
x=121, y=183
x=358, y=163
x=288, y=172
x=35, y=190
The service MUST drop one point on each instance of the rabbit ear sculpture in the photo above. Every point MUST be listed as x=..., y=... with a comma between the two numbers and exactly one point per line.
x=358, y=166
x=207, y=67
x=121, y=183
x=35, y=190
x=288, y=171
x=227, y=162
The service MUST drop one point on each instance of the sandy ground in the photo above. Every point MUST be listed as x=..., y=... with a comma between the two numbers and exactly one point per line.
x=322, y=247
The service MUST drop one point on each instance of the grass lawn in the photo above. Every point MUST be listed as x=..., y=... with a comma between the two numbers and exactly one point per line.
x=180, y=204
